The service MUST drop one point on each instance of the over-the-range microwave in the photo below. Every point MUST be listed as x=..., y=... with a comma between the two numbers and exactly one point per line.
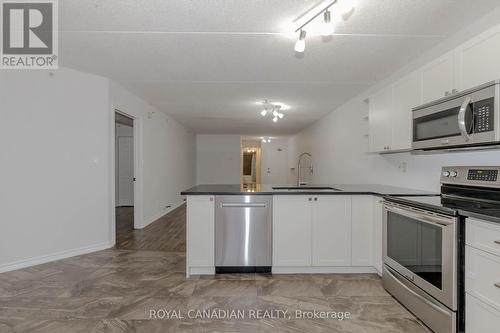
x=467, y=119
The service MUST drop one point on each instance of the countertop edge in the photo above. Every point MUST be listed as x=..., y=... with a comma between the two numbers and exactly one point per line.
x=311, y=193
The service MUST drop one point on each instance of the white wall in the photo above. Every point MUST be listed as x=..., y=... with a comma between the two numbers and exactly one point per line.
x=275, y=162
x=168, y=154
x=57, y=162
x=339, y=147
x=218, y=159
x=54, y=152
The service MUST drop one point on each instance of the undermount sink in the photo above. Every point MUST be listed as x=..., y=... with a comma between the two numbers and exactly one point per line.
x=306, y=188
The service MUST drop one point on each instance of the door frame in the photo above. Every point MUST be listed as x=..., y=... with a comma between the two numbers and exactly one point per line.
x=138, y=170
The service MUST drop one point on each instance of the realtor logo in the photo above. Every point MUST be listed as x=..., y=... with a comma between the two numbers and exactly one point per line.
x=29, y=34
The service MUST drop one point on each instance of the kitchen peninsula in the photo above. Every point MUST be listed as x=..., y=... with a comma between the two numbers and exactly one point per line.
x=312, y=229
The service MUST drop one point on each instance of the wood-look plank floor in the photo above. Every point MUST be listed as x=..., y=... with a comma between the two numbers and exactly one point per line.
x=115, y=291
x=165, y=234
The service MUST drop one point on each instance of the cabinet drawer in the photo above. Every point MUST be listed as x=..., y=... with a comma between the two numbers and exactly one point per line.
x=480, y=317
x=483, y=235
x=482, y=276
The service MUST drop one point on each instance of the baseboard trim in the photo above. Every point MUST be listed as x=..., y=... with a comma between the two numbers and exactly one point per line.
x=325, y=270
x=53, y=257
x=201, y=271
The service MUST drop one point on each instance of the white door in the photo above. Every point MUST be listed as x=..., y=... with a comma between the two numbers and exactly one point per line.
x=291, y=230
x=274, y=162
x=407, y=95
x=477, y=61
x=331, y=230
x=438, y=78
x=125, y=168
x=380, y=120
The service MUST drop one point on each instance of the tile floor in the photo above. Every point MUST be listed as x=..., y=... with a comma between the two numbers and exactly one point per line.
x=115, y=290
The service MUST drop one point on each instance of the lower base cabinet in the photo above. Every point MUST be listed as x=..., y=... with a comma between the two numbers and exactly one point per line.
x=323, y=232
x=480, y=317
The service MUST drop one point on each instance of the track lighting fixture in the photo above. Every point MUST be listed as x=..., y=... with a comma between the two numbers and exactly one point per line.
x=300, y=45
x=266, y=140
x=340, y=9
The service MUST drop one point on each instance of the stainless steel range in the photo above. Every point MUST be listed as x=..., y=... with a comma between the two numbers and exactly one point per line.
x=424, y=241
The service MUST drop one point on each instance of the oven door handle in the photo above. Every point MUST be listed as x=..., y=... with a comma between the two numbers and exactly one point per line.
x=434, y=220
x=461, y=118
x=422, y=298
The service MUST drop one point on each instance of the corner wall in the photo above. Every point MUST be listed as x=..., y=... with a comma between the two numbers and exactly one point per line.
x=54, y=146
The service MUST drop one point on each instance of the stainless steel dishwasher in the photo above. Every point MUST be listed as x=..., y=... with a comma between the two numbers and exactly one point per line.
x=243, y=233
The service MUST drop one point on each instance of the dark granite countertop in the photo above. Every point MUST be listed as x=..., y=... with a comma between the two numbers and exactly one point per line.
x=264, y=189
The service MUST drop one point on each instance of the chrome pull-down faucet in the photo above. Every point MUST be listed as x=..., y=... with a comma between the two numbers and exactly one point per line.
x=299, y=168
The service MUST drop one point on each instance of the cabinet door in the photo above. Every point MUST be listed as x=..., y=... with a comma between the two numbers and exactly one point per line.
x=331, y=230
x=437, y=78
x=200, y=230
x=291, y=230
x=480, y=317
x=477, y=61
x=362, y=230
x=407, y=95
x=377, y=233
x=380, y=120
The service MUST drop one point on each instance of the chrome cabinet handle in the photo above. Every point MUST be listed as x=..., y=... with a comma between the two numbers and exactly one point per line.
x=461, y=118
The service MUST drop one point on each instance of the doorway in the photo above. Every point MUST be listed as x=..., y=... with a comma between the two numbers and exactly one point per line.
x=250, y=164
x=124, y=177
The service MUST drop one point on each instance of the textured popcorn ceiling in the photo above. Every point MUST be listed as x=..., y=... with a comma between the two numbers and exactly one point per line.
x=208, y=62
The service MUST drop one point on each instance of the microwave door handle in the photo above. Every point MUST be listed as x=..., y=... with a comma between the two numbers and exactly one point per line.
x=461, y=119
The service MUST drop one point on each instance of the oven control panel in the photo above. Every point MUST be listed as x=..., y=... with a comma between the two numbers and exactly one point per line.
x=486, y=176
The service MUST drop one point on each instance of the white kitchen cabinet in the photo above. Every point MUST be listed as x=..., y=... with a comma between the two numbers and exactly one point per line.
x=480, y=317
x=331, y=230
x=381, y=104
x=362, y=230
x=477, y=60
x=292, y=230
x=377, y=233
x=438, y=79
x=200, y=234
x=407, y=94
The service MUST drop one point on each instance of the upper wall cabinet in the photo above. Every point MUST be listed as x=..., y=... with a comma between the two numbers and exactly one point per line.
x=438, y=78
x=380, y=120
x=478, y=60
x=390, y=114
x=407, y=95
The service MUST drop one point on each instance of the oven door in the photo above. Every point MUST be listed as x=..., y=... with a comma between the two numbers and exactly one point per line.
x=422, y=247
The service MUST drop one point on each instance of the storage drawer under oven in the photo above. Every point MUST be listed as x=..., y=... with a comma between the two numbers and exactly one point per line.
x=482, y=276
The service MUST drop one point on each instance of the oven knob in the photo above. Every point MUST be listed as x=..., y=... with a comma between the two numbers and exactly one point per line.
x=453, y=174
x=446, y=174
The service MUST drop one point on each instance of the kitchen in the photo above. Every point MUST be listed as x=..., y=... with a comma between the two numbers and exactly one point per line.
x=338, y=170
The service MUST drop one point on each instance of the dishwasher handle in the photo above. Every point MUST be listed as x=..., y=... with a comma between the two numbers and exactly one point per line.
x=242, y=205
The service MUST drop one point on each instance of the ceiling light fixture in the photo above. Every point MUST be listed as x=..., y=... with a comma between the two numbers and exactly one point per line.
x=300, y=45
x=327, y=26
x=266, y=140
x=272, y=108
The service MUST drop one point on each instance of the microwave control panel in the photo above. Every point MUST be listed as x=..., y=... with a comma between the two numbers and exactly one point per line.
x=484, y=113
